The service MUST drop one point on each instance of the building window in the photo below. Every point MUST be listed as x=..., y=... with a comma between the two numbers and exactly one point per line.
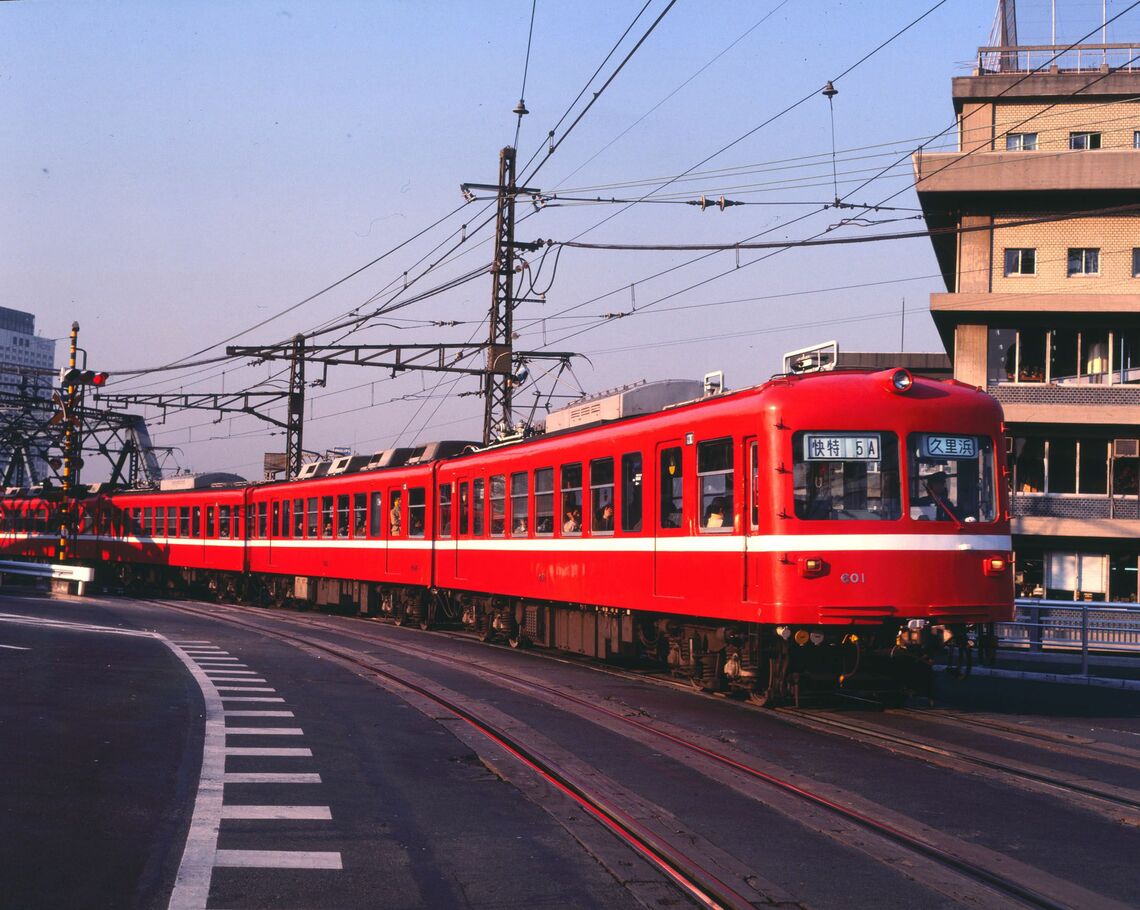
x=1021, y=142
x=1084, y=141
x=1136, y=262
x=1136, y=139
x=1020, y=261
x=1076, y=576
x=1083, y=260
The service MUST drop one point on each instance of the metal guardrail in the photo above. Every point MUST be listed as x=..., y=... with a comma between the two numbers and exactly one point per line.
x=82, y=574
x=1083, y=58
x=1072, y=626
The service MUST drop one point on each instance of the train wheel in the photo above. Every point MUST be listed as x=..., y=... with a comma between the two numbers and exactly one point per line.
x=427, y=611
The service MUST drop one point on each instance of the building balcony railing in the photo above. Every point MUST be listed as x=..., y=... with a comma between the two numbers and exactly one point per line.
x=1085, y=58
x=1062, y=394
x=1041, y=505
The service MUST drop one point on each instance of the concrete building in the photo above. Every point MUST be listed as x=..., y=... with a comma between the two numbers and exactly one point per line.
x=1041, y=258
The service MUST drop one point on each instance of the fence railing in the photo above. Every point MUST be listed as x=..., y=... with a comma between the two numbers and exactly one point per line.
x=1068, y=626
x=1084, y=58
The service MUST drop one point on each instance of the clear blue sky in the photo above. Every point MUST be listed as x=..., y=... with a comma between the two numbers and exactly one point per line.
x=175, y=173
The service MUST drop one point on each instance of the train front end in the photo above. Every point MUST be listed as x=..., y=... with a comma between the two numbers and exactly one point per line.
x=891, y=541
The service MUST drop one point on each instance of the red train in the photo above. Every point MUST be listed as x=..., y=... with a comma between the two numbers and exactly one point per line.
x=829, y=526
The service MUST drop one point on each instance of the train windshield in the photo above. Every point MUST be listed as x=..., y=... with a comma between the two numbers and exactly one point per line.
x=846, y=475
x=951, y=477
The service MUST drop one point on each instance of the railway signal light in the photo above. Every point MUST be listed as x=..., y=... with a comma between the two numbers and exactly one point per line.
x=72, y=376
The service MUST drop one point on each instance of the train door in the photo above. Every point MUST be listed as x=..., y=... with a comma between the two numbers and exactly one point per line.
x=751, y=518
x=669, y=557
x=462, y=526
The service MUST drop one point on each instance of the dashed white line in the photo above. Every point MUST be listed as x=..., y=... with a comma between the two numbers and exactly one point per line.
x=279, y=859
x=240, y=679
x=230, y=670
x=264, y=731
x=251, y=698
x=275, y=813
x=270, y=777
x=246, y=689
x=14, y=648
x=269, y=751
x=258, y=713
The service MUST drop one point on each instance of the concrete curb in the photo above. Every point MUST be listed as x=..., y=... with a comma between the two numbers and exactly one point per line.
x=1071, y=679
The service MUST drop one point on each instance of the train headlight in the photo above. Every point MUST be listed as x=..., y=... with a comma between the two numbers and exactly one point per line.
x=917, y=625
x=802, y=637
x=784, y=632
x=817, y=638
x=901, y=380
x=811, y=566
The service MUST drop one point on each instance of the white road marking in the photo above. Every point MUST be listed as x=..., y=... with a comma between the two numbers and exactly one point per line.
x=217, y=660
x=213, y=670
x=273, y=813
x=14, y=648
x=192, y=885
x=246, y=688
x=195, y=642
x=269, y=752
x=258, y=713
x=278, y=859
x=264, y=731
x=271, y=777
x=252, y=698
x=241, y=679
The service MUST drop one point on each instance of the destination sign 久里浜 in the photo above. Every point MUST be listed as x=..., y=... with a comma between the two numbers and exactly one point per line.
x=934, y=446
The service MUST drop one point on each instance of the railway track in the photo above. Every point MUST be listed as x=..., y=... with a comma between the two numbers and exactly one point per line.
x=1117, y=804
x=999, y=877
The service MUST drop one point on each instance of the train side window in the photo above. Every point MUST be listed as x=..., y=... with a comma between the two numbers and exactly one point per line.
x=197, y=527
x=263, y=519
x=184, y=521
x=251, y=522
x=311, y=521
x=298, y=518
x=754, y=489
x=417, y=505
x=326, y=516
x=602, y=496
x=715, y=479
x=396, y=514
x=519, y=504
x=464, y=508
x=478, y=507
x=376, y=524
x=571, y=476
x=631, y=492
x=498, y=505
x=343, y=515
x=210, y=520
x=169, y=520
x=148, y=520
x=286, y=518
x=544, y=501
x=445, y=510
x=276, y=527
x=223, y=521
x=359, y=514
x=672, y=487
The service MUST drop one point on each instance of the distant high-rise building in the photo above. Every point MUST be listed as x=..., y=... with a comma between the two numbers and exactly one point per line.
x=1042, y=267
x=27, y=368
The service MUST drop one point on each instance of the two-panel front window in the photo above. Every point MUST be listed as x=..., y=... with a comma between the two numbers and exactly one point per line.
x=846, y=475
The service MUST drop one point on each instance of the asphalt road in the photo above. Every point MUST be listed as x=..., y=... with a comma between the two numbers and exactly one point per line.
x=157, y=758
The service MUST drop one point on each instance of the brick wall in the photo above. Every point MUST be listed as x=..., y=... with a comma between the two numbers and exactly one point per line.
x=1115, y=238
x=1115, y=121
